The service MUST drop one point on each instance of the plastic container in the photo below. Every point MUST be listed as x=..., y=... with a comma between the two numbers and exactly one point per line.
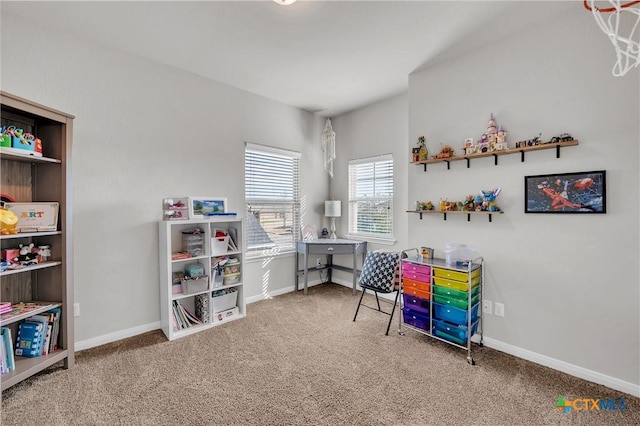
x=415, y=292
x=416, y=276
x=456, y=303
x=419, y=285
x=195, y=285
x=460, y=332
x=416, y=304
x=456, y=275
x=415, y=319
x=224, y=302
x=415, y=267
x=456, y=253
x=193, y=242
x=446, y=291
x=454, y=315
x=219, y=245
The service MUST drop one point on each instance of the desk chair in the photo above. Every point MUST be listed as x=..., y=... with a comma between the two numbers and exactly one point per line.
x=380, y=274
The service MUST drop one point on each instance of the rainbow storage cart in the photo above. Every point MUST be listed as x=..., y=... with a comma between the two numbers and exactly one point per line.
x=442, y=300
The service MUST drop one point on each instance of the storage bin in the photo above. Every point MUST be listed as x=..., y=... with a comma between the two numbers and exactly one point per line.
x=193, y=242
x=416, y=267
x=454, y=315
x=460, y=332
x=416, y=276
x=455, y=275
x=456, y=303
x=231, y=279
x=224, y=302
x=413, y=291
x=196, y=285
x=416, y=304
x=449, y=337
x=454, y=252
x=454, y=284
x=420, y=285
x=231, y=268
x=194, y=269
x=415, y=319
x=447, y=291
x=219, y=245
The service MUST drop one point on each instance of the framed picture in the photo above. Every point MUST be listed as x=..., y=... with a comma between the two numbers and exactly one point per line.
x=580, y=192
x=200, y=207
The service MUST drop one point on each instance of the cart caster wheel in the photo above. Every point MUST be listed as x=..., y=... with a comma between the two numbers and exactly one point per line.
x=400, y=333
x=471, y=361
x=481, y=344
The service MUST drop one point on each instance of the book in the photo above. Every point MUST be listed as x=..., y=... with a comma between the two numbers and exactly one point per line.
x=233, y=236
x=44, y=319
x=180, y=255
x=23, y=309
x=5, y=307
x=7, y=343
x=29, y=339
x=55, y=314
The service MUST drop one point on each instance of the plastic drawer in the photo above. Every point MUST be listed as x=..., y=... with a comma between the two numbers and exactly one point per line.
x=418, y=285
x=415, y=267
x=456, y=285
x=454, y=315
x=452, y=301
x=455, y=275
x=415, y=319
x=416, y=304
x=449, y=337
x=457, y=294
x=416, y=292
x=416, y=276
x=458, y=331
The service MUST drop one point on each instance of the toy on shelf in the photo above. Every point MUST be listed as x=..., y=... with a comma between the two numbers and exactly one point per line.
x=27, y=256
x=423, y=152
x=489, y=200
x=530, y=142
x=445, y=152
x=8, y=222
x=563, y=137
x=493, y=139
x=421, y=205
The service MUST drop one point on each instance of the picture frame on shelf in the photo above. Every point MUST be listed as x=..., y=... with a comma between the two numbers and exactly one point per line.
x=576, y=193
x=200, y=207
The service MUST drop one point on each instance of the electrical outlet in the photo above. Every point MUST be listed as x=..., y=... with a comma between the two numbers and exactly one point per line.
x=318, y=263
x=76, y=309
x=499, y=309
x=487, y=307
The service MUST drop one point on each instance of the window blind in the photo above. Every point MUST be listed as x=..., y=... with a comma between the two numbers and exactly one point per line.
x=371, y=196
x=272, y=179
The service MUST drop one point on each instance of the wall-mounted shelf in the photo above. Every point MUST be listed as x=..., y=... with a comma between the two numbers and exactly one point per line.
x=486, y=213
x=496, y=154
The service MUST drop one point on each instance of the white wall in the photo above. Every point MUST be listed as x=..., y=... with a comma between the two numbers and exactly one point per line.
x=143, y=132
x=569, y=283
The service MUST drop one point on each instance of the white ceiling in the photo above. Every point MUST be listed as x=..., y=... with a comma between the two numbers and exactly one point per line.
x=327, y=57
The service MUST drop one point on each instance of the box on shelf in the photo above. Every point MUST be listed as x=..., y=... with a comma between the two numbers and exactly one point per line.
x=224, y=301
x=226, y=315
x=193, y=241
x=176, y=288
x=219, y=245
x=194, y=269
x=231, y=279
x=35, y=217
x=195, y=285
x=202, y=307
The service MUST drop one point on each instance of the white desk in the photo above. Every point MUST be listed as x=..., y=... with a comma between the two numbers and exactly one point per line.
x=329, y=247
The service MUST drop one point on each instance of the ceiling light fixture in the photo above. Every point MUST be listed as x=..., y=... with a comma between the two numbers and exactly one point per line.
x=285, y=2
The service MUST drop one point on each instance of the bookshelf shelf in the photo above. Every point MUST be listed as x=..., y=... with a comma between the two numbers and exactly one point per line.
x=47, y=178
x=205, y=304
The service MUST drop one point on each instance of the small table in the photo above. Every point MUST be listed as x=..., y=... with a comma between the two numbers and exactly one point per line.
x=329, y=247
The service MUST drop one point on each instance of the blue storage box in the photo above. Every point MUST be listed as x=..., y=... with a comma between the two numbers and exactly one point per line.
x=415, y=319
x=458, y=331
x=416, y=304
x=454, y=315
x=449, y=337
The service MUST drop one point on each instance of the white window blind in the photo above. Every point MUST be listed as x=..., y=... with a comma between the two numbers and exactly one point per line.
x=371, y=197
x=272, y=199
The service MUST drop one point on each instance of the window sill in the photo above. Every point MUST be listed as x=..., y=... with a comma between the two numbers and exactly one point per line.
x=374, y=240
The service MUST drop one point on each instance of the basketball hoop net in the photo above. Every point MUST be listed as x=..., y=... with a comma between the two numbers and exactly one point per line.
x=621, y=19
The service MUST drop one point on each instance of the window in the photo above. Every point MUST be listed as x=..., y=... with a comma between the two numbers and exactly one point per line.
x=272, y=198
x=371, y=197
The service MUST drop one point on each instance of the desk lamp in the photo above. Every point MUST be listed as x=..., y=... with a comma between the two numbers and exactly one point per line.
x=332, y=209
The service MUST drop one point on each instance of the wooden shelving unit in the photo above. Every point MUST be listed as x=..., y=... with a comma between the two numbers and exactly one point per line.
x=496, y=154
x=29, y=178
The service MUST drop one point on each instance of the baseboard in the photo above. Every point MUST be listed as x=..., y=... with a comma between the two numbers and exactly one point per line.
x=118, y=335
x=565, y=367
x=280, y=291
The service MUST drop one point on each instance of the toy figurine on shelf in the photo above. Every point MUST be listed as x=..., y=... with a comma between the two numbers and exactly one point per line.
x=423, y=153
x=468, y=203
x=489, y=200
x=421, y=205
x=445, y=152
